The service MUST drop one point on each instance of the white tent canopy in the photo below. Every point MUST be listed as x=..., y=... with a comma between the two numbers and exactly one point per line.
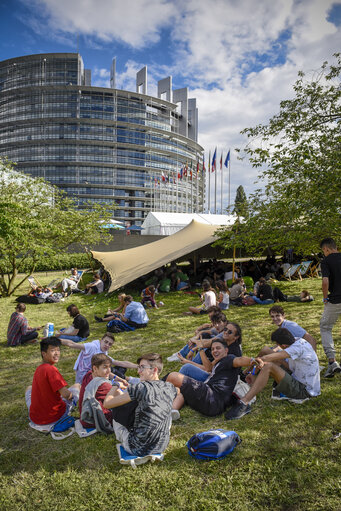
x=164, y=224
x=127, y=265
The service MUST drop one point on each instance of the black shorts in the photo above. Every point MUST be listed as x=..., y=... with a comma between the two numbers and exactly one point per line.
x=199, y=396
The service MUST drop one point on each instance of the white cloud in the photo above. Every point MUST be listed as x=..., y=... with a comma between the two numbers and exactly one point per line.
x=251, y=51
x=133, y=22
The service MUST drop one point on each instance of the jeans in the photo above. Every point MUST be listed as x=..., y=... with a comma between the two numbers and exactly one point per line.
x=330, y=315
x=184, y=352
x=194, y=372
x=262, y=302
x=74, y=338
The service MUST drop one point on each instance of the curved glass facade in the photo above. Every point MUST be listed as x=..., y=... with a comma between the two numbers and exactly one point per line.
x=98, y=144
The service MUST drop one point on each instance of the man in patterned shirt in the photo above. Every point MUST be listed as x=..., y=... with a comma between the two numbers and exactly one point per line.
x=152, y=401
x=18, y=331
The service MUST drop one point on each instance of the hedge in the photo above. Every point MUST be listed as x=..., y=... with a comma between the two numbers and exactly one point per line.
x=56, y=262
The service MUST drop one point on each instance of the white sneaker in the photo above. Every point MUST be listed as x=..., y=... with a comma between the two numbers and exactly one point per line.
x=332, y=369
x=175, y=414
x=173, y=358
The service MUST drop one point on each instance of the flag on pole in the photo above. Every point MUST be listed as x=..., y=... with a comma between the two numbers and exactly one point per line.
x=214, y=160
x=198, y=168
x=227, y=159
x=221, y=161
x=203, y=163
x=209, y=161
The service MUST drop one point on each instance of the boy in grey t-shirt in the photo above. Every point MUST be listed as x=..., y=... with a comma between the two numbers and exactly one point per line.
x=152, y=415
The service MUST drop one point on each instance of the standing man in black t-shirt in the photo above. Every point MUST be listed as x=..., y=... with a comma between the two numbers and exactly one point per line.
x=331, y=281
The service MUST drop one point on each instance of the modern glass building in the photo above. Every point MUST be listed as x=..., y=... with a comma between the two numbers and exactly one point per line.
x=130, y=149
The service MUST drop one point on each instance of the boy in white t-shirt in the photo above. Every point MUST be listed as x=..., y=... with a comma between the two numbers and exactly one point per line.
x=303, y=382
x=88, y=349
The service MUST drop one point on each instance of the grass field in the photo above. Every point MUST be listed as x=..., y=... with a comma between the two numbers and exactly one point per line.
x=286, y=461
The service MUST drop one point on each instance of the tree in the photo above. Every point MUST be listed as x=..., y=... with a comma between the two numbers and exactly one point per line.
x=299, y=151
x=37, y=219
x=240, y=203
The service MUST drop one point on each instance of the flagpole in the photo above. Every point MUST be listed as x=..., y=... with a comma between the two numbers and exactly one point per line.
x=222, y=184
x=230, y=184
x=215, y=187
x=191, y=188
x=209, y=182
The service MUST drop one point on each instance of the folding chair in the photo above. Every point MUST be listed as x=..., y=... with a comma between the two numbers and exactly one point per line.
x=33, y=282
x=314, y=270
x=293, y=272
x=304, y=268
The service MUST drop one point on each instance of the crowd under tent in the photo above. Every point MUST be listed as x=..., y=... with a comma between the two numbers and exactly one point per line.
x=124, y=266
x=159, y=223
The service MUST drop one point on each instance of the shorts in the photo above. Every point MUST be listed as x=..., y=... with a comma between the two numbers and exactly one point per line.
x=69, y=404
x=201, y=397
x=292, y=388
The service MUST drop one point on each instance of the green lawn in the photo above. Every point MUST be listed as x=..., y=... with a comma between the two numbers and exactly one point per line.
x=286, y=461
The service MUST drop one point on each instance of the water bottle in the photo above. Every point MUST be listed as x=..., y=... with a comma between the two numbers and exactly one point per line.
x=50, y=330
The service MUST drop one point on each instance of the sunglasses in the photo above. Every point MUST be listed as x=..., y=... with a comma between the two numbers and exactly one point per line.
x=229, y=331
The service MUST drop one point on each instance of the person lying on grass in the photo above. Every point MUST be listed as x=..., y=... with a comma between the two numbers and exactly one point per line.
x=49, y=399
x=151, y=405
x=297, y=356
x=88, y=349
x=210, y=397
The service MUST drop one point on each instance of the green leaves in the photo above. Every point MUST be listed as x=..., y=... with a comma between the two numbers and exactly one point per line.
x=299, y=151
x=37, y=219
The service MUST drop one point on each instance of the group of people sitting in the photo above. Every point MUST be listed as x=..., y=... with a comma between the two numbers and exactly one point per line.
x=262, y=294
x=139, y=411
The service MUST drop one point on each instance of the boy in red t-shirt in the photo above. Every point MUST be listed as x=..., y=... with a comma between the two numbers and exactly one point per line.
x=49, y=398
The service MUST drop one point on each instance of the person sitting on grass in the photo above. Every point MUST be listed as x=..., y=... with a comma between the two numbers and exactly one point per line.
x=18, y=331
x=114, y=313
x=208, y=298
x=49, y=399
x=207, y=326
x=152, y=416
x=148, y=296
x=264, y=294
x=96, y=286
x=198, y=368
x=88, y=349
x=296, y=356
x=277, y=315
x=237, y=292
x=95, y=387
x=134, y=315
x=219, y=321
x=223, y=295
x=210, y=397
x=80, y=327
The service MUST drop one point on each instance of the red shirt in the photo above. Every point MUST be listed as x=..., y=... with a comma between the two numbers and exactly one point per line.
x=102, y=391
x=47, y=404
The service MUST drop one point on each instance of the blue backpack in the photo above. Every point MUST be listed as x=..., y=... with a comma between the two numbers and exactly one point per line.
x=212, y=445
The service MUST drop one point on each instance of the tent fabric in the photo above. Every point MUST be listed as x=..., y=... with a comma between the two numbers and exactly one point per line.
x=165, y=224
x=127, y=265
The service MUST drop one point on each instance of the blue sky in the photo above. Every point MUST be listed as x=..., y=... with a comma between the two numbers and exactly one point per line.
x=238, y=58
